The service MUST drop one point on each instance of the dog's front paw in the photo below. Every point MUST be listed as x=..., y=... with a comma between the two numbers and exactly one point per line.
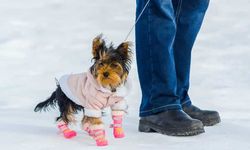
x=118, y=132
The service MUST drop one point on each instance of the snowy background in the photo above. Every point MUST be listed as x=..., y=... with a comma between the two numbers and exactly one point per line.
x=43, y=39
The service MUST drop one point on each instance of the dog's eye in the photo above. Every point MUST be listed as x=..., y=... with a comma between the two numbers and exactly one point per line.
x=113, y=65
x=101, y=64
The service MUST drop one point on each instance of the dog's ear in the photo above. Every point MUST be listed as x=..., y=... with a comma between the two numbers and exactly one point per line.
x=125, y=49
x=98, y=44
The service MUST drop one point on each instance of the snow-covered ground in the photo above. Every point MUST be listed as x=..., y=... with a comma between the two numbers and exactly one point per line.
x=40, y=40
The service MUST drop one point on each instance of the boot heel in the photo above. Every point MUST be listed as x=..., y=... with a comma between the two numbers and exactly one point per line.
x=144, y=128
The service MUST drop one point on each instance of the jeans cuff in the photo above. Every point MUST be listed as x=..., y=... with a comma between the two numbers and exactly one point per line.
x=186, y=103
x=160, y=109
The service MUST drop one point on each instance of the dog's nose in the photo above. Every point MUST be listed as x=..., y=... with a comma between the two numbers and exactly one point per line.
x=105, y=74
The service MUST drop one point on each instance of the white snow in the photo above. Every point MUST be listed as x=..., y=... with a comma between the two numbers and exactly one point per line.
x=41, y=40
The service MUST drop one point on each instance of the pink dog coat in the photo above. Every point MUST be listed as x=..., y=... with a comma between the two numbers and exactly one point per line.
x=85, y=91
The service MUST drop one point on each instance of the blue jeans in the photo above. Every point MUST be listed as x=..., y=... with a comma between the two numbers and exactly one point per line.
x=165, y=35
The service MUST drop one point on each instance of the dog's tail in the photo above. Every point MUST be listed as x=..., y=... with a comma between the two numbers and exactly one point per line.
x=51, y=101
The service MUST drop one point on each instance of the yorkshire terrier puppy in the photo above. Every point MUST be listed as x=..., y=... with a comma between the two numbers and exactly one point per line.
x=101, y=86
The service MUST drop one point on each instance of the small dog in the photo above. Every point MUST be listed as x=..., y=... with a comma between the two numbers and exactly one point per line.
x=91, y=91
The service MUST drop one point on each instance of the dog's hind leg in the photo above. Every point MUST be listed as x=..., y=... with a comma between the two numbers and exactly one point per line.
x=67, y=109
x=95, y=128
x=67, y=132
x=64, y=119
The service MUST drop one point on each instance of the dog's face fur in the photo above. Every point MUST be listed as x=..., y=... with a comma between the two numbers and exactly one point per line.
x=111, y=65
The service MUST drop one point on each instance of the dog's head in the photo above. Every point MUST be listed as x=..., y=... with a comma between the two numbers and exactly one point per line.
x=111, y=65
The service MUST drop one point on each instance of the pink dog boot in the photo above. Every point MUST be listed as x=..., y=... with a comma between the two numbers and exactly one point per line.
x=86, y=127
x=118, y=131
x=68, y=133
x=98, y=133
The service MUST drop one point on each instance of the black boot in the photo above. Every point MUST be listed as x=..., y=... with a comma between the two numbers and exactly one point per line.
x=172, y=122
x=207, y=117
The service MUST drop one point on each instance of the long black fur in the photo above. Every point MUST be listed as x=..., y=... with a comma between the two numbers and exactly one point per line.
x=51, y=101
x=66, y=106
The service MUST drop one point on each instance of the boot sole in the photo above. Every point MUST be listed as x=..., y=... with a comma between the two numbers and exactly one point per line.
x=145, y=126
x=211, y=122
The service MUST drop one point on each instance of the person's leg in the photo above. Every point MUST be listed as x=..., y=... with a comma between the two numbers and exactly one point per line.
x=189, y=16
x=160, y=109
x=155, y=33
